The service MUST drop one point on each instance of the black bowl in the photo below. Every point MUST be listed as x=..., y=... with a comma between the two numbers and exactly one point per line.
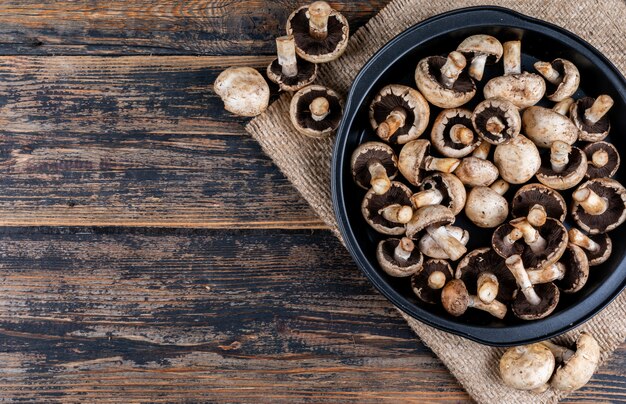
x=395, y=63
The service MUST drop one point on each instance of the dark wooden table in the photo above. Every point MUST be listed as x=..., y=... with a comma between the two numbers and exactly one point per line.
x=150, y=251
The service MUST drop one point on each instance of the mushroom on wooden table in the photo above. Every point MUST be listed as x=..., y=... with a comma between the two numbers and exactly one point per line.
x=243, y=90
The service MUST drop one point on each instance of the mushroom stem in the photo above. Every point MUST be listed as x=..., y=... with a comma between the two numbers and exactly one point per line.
x=427, y=197
x=487, y=287
x=537, y=215
x=403, y=250
x=580, y=239
x=531, y=235
x=548, y=72
x=436, y=280
x=450, y=71
x=379, y=181
x=397, y=213
x=448, y=243
x=461, y=134
x=286, y=51
x=445, y=164
x=394, y=121
x=547, y=274
x=495, y=308
x=500, y=186
x=477, y=67
x=561, y=353
x=512, y=57
x=591, y=202
x=318, y=14
x=562, y=107
x=513, y=236
x=482, y=151
x=600, y=107
x=456, y=300
x=516, y=266
x=599, y=158
x=320, y=108
x=559, y=155
x=495, y=125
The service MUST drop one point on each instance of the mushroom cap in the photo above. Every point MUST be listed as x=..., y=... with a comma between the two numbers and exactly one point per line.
x=589, y=132
x=455, y=297
x=486, y=208
x=538, y=194
x=419, y=281
x=372, y=203
x=502, y=109
x=549, y=294
x=573, y=173
x=440, y=134
x=481, y=45
x=411, y=101
x=603, y=254
x=307, y=73
x=569, y=84
x=429, y=247
x=243, y=90
x=543, y=126
x=475, y=172
x=452, y=189
x=410, y=160
x=386, y=259
x=518, y=160
x=300, y=114
x=432, y=215
x=578, y=370
x=523, y=90
x=527, y=367
x=576, y=269
x=615, y=214
x=607, y=170
x=502, y=248
x=368, y=152
x=486, y=260
x=427, y=76
x=318, y=50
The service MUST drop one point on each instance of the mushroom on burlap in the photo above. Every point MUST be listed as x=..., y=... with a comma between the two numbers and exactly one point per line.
x=288, y=71
x=316, y=111
x=243, y=90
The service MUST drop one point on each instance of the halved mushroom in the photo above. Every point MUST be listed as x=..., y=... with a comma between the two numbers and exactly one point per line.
x=374, y=164
x=538, y=194
x=433, y=220
x=485, y=275
x=430, y=248
x=456, y=300
x=544, y=126
x=575, y=367
x=443, y=82
x=486, y=207
x=441, y=189
x=452, y=134
x=564, y=167
x=563, y=75
x=482, y=49
x=590, y=117
x=522, y=89
x=321, y=33
x=428, y=282
x=476, y=170
x=599, y=205
x=527, y=367
x=603, y=160
x=288, y=71
x=399, y=257
x=517, y=160
x=535, y=301
x=243, y=90
x=496, y=120
x=388, y=213
x=598, y=247
x=414, y=161
x=399, y=114
x=576, y=266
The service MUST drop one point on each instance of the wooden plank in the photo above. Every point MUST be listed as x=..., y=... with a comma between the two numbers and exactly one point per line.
x=117, y=27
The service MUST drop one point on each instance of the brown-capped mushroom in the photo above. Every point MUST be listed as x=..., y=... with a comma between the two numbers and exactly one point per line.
x=538, y=194
x=453, y=134
x=527, y=367
x=544, y=126
x=603, y=160
x=388, y=213
x=486, y=207
x=443, y=82
x=576, y=267
x=575, y=368
x=518, y=160
x=428, y=282
x=456, y=300
x=496, y=120
x=563, y=75
x=399, y=257
x=374, y=164
x=599, y=205
x=430, y=248
x=414, y=160
x=243, y=90
x=485, y=275
x=476, y=170
x=590, y=117
x=481, y=49
x=441, y=189
x=563, y=107
x=316, y=111
x=433, y=219
x=535, y=301
x=321, y=33
x=564, y=167
x=399, y=114
x=522, y=89
x=288, y=71
x=598, y=247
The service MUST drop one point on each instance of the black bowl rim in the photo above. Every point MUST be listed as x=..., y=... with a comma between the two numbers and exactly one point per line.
x=525, y=333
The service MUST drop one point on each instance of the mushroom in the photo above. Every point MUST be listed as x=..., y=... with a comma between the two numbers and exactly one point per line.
x=564, y=167
x=518, y=160
x=289, y=72
x=430, y=248
x=441, y=189
x=576, y=267
x=496, y=120
x=433, y=219
x=597, y=247
x=428, y=282
x=599, y=205
x=550, y=273
x=545, y=126
x=414, y=160
x=535, y=301
x=562, y=107
x=590, y=117
x=399, y=114
x=603, y=160
x=443, y=82
x=486, y=207
x=243, y=90
x=399, y=257
x=456, y=300
x=452, y=134
x=522, y=89
x=316, y=111
x=388, y=213
x=527, y=367
x=485, y=275
x=538, y=194
x=374, y=164
x=575, y=367
x=320, y=32
x=482, y=49
x=476, y=170
x=562, y=74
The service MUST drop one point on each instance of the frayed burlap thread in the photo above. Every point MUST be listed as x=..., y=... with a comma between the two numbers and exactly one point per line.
x=306, y=163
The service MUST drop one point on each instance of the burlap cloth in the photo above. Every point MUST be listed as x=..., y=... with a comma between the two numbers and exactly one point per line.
x=306, y=163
